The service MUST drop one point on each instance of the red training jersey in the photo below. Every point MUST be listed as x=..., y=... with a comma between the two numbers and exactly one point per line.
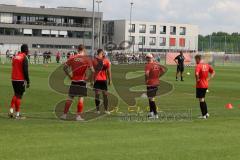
x=155, y=70
x=17, y=67
x=203, y=71
x=58, y=55
x=79, y=65
x=101, y=66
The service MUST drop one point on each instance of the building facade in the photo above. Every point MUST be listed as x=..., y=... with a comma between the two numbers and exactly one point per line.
x=46, y=29
x=150, y=36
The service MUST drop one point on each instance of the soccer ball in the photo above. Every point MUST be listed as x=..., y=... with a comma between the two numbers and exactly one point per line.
x=188, y=73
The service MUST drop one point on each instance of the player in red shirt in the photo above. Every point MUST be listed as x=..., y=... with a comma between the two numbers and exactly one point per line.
x=202, y=71
x=78, y=64
x=153, y=71
x=20, y=79
x=58, y=56
x=102, y=78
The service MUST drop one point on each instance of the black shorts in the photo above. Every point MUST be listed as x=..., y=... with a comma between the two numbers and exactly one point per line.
x=100, y=85
x=78, y=89
x=201, y=92
x=18, y=87
x=152, y=91
x=180, y=68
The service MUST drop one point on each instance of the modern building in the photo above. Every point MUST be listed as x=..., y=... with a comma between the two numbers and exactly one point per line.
x=61, y=28
x=150, y=36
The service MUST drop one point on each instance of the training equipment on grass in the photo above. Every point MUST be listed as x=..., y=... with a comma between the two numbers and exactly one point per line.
x=229, y=106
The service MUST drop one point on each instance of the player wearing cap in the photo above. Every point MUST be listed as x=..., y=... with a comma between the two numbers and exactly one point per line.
x=76, y=68
x=202, y=71
x=179, y=60
x=102, y=78
x=20, y=80
x=153, y=71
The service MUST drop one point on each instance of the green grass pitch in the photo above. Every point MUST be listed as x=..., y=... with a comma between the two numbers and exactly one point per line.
x=43, y=137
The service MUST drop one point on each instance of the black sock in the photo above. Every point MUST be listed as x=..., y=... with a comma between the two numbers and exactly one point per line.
x=202, y=108
x=105, y=102
x=205, y=108
x=150, y=106
x=154, y=108
x=176, y=78
x=97, y=101
x=182, y=78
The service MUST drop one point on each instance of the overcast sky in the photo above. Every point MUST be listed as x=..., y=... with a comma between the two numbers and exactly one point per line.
x=209, y=15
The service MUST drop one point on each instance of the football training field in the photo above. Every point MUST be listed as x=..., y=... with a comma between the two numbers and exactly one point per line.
x=178, y=135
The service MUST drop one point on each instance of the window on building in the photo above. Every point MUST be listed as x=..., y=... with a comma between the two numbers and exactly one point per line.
x=132, y=28
x=141, y=40
x=106, y=28
x=80, y=34
x=27, y=32
x=132, y=39
x=62, y=34
x=103, y=40
x=37, y=32
x=142, y=28
x=172, y=42
x=152, y=41
x=9, y=31
x=106, y=39
x=153, y=29
x=87, y=35
x=182, y=30
x=173, y=30
x=182, y=42
x=45, y=33
x=103, y=28
x=2, y=31
x=163, y=29
x=6, y=18
x=162, y=41
x=54, y=33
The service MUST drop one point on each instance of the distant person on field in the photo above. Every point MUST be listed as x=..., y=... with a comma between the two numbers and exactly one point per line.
x=20, y=80
x=35, y=55
x=63, y=56
x=179, y=60
x=58, y=56
x=68, y=55
x=153, y=71
x=202, y=71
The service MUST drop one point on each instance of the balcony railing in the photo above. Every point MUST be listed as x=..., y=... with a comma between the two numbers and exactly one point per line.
x=152, y=43
x=42, y=23
x=153, y=31
x=142, y=31
x=162, y=44
x=131, y=30
x=182, y=33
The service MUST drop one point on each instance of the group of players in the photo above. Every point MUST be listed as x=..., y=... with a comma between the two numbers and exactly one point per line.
x=81, y=68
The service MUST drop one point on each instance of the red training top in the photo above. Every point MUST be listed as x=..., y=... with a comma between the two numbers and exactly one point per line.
x=79, y=65
x=101, y=66
x=203, y=70
x=18, y=70
x=155, y=71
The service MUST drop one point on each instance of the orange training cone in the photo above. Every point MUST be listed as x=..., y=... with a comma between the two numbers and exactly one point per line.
x=229, y=106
